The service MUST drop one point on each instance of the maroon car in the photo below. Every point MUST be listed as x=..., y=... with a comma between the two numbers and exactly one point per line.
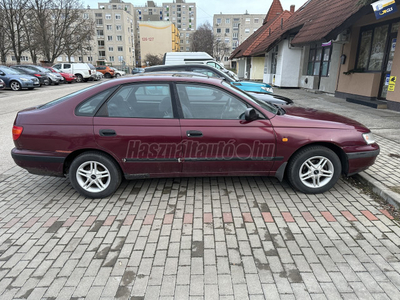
x=172, y=126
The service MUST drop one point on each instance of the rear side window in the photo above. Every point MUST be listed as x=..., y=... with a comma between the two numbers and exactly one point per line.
x=152, y=101
x=89, y=107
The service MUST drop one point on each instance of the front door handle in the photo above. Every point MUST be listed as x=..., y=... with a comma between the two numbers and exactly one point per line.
x=107, y=132
x=194, y=133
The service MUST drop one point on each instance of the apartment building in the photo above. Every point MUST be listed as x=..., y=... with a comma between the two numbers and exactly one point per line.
x=181, y=13
x=234, y=29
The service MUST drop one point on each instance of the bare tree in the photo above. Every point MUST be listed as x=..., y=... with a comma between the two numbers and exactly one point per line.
x=153, y=60
x=61, y=26
x=202, y=39
x=4, y=45
x=220, y=49
x=14, y=12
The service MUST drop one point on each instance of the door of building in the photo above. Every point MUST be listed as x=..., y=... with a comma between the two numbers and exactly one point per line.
x=388, y=61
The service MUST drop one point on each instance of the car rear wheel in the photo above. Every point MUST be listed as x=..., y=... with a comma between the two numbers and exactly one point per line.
x=314, y=170
x=107, y=75
x=79, y=78
x=94, y=175
x=15, y=85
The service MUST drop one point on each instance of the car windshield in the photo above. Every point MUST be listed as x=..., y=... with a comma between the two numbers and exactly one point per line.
x=265, y=105
x=43, y=69
x=91, y=66
x=10, y=71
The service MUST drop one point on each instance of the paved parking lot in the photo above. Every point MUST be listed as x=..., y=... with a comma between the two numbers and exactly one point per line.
x=199, y=238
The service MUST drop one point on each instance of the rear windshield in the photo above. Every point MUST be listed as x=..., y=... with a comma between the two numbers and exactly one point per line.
x=62, y=99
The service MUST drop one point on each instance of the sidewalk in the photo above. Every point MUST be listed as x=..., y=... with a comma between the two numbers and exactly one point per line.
x=384, y=175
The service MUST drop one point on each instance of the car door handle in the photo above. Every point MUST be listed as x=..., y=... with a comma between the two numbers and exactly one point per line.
x=107, y=132
x=194, y=133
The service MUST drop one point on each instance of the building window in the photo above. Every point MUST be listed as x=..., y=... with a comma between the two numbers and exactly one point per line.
x=120, y=58
x=119, y=38
x=100, y=33
x=246, y=30
x=111, y=49
x=118, y=27
x=226, y=30
x=372, y=46
x=98, y=15
x=102, y=53
x=218, y=30
x=227, y=40
x=255, y=21
x=120, y=48
x=247, y=20
x=109, y=27
x=100, y=43
x=319, y=60
x=109, y=38
x=90, y=58
x=80, y=58
x=108, y=17
x=117, y=17
x=111, y=58
x=86, y=16
x=227, y=21
x=219, y=21
x=235, y=35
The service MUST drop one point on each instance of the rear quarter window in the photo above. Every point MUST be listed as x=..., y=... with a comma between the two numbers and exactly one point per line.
x=90, y=106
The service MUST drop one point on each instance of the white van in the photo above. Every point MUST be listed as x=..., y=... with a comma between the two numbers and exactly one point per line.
x=180, y=58
x=82, y=71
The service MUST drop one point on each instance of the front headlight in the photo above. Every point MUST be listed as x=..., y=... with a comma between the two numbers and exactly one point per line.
x=267, y=89
x=369, y=138
x=24, y=79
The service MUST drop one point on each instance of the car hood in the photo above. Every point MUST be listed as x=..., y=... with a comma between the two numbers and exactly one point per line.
x=309, y=117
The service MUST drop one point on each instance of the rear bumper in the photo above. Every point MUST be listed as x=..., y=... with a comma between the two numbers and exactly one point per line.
x=41, y=163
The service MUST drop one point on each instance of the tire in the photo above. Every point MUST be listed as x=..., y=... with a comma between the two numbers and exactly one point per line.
x=306, y=174
x=15, y=85
x=84, y=175
x=107, y=75
x=79, y=78
x=117, y=75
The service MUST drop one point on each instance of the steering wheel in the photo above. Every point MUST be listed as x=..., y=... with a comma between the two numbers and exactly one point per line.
x=226, y=108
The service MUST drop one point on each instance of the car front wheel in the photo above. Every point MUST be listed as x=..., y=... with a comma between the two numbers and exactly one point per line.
x=79, y=78
x=94, y=175
x=314, y=170
x=15, y=86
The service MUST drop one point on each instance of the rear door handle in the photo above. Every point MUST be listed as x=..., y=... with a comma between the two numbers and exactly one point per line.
x=194, y=133
x=107, y=132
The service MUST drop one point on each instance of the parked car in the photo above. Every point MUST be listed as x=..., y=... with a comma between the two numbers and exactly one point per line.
x=257, y=88
x=93, y=71
x=98, y=76
x=16, y=80
x=118, y=73
x=107, y=71
x=137, y=70
x=43, y=79
x=174, y=126
x=82, y=71
x=54, y=78
x=68, y=77
x=2, y=84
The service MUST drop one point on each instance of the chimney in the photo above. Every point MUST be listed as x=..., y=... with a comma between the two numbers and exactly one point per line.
x=292, y=7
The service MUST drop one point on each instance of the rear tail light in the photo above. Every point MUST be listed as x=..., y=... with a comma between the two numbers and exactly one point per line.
x=37, y=75
x=16, y=132
x=90, y=72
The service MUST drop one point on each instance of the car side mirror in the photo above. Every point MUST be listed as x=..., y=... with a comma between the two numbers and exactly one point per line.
x=250, y=114
x=2, y=73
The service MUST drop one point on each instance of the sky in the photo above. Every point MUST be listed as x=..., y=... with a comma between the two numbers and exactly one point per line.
x=207, y=8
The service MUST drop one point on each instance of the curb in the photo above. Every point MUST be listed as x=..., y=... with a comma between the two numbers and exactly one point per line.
x=380, y=189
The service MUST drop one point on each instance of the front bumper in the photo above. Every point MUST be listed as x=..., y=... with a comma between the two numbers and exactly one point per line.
x=361, y=160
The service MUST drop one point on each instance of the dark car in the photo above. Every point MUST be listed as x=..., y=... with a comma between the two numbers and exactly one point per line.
x=259, y=90
x=2, y=84
x=43, y=79
x=17, y=80
x=174, y=126
x=137, y=70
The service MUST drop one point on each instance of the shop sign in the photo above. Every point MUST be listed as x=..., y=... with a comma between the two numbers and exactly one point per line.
x=384, y=8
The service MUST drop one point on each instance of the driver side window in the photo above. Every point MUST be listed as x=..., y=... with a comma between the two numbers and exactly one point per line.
x=207, y=102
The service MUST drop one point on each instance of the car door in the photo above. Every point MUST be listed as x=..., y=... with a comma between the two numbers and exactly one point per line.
x=217, y=139
x=139, y=126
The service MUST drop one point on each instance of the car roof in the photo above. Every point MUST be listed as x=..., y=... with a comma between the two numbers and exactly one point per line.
x=173, y=74
x=181, y=66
